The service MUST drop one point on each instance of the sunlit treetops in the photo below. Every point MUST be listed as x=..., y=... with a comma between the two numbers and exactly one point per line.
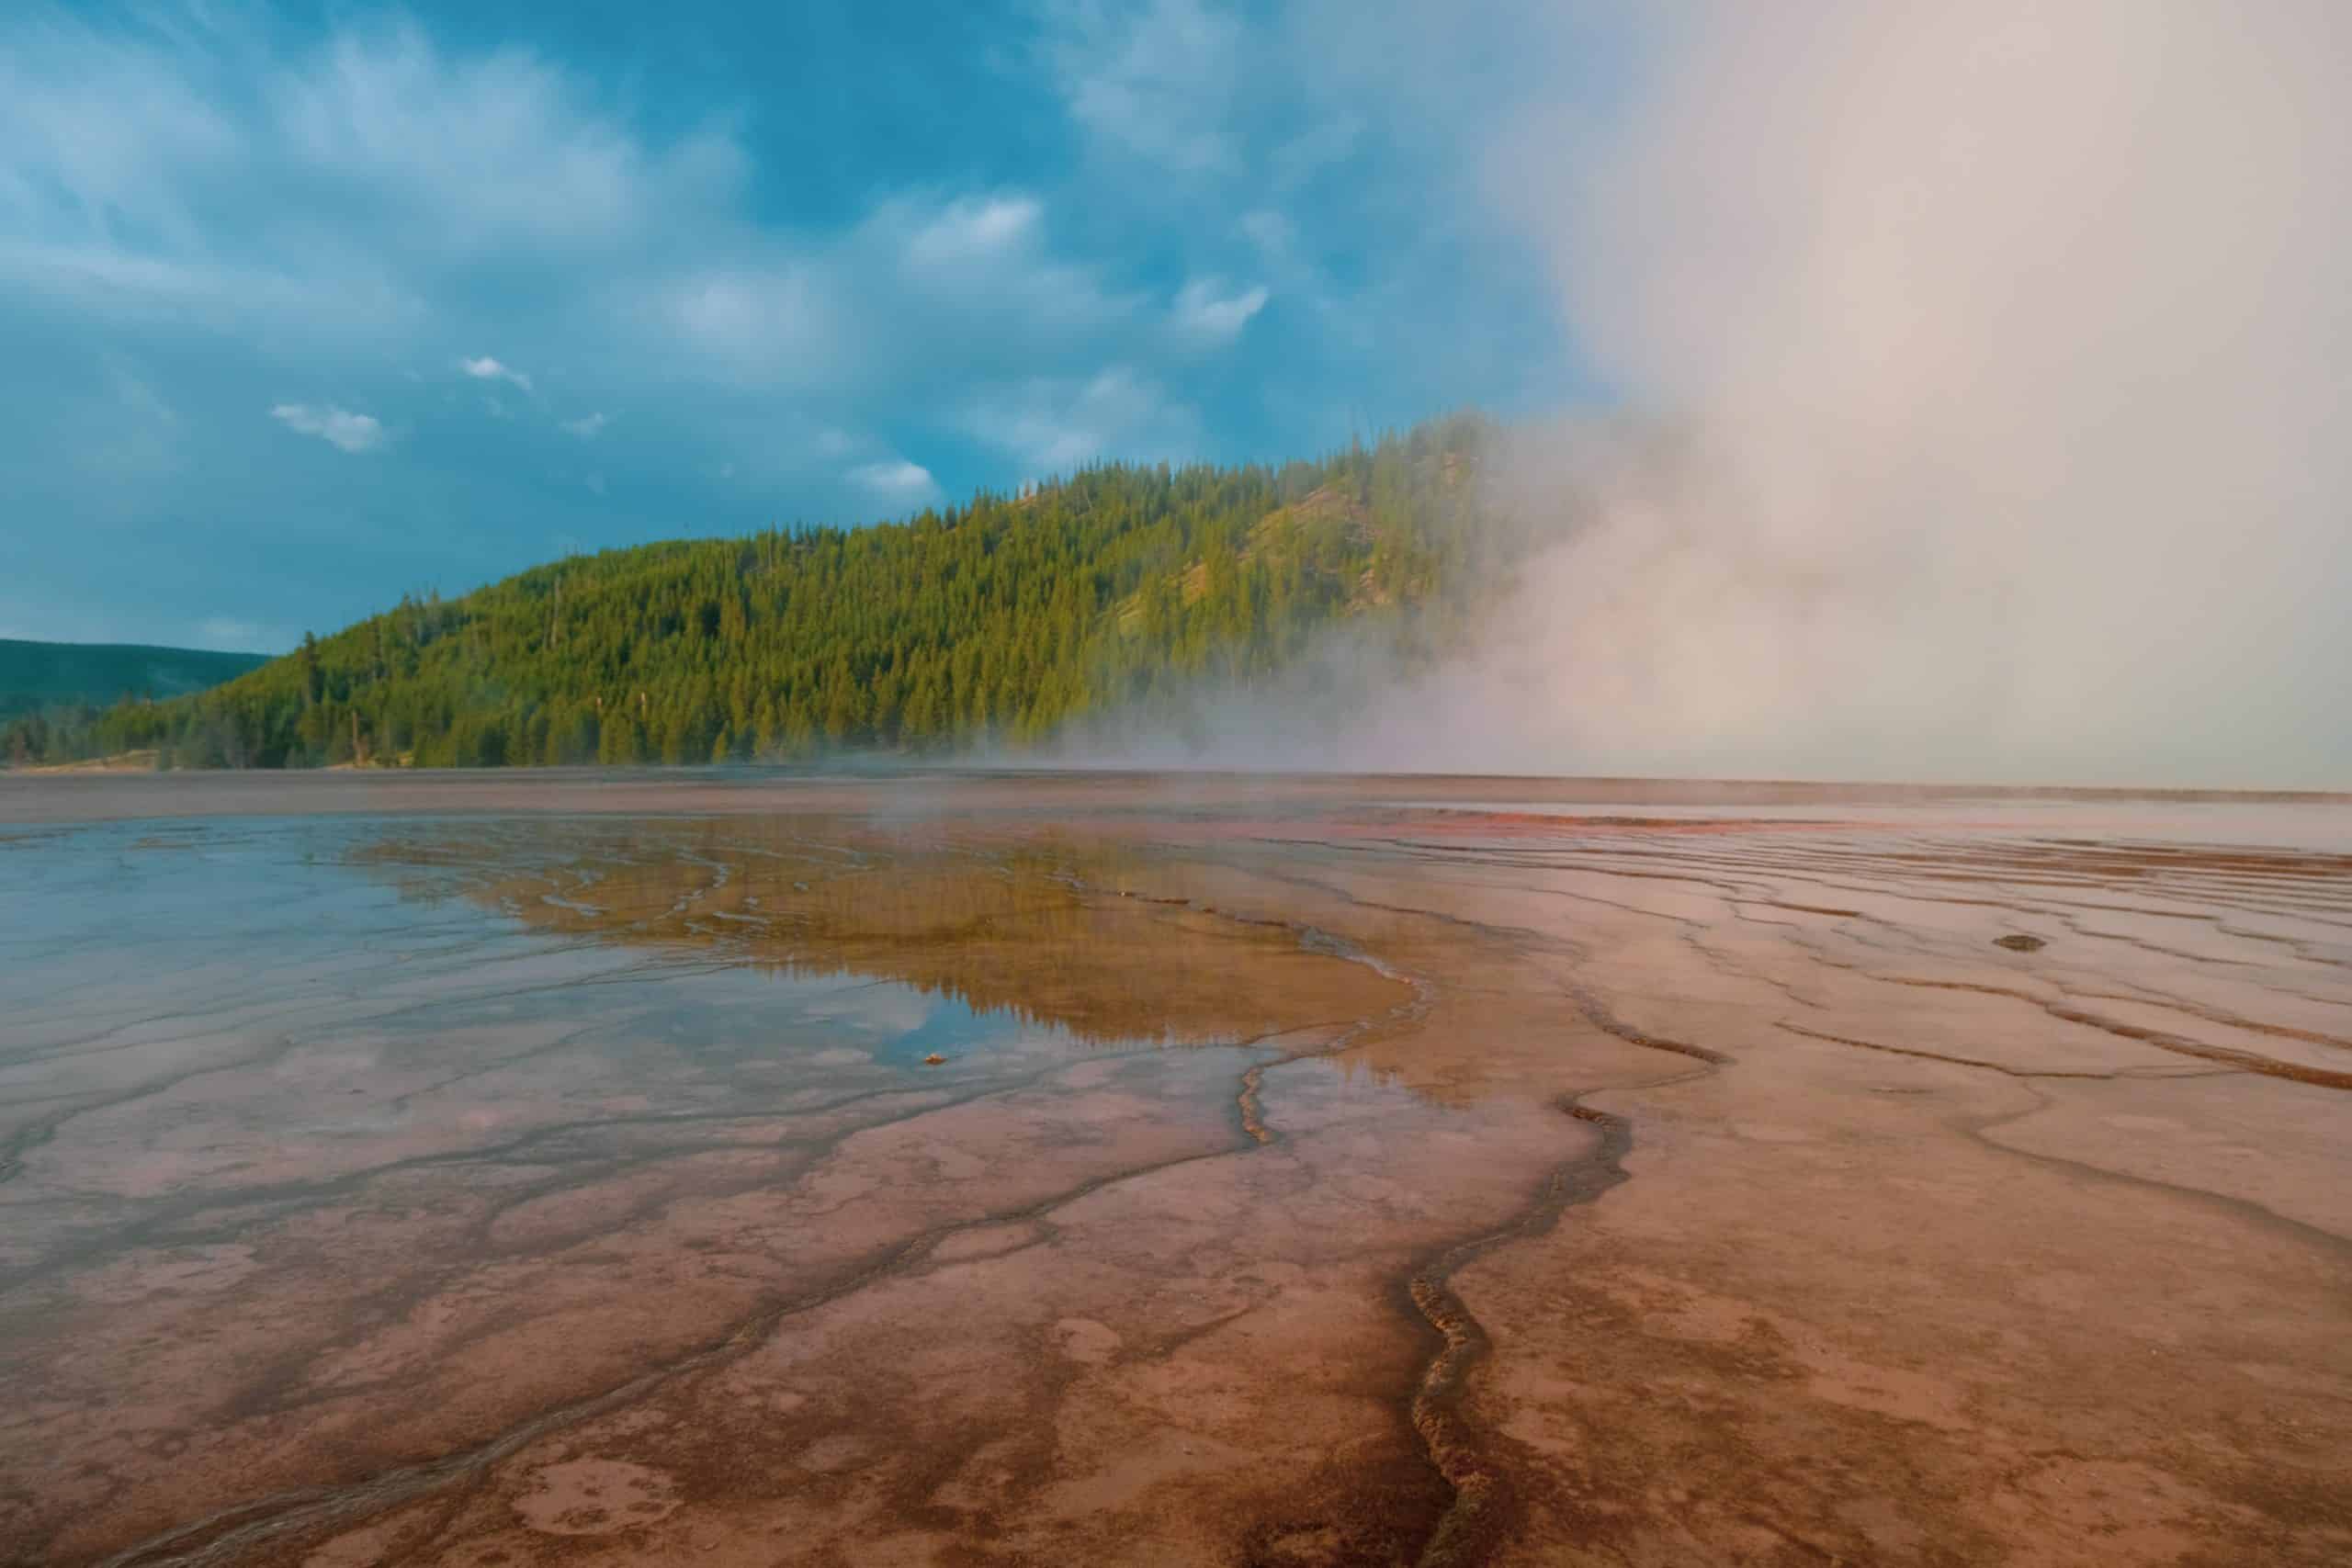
x=1002, y=621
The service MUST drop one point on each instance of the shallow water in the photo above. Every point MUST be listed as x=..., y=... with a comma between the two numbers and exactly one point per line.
x=1312, y=1170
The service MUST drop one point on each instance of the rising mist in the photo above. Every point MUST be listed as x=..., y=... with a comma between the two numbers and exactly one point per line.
x=1984, y=415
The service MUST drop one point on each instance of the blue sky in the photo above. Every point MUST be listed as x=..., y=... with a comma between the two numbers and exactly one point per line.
x=302, y=307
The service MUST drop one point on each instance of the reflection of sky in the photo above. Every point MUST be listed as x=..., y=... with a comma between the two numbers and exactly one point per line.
x=892, y=1021
x=910, y=1023
x=952, y=1028
x=233, y=923
x=881, y=1006
x=336, y=1013
x=753, y=1019
x=901, y=1025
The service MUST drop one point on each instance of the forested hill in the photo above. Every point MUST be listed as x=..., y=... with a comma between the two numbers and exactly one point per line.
x=37, y=675
x=999, y=621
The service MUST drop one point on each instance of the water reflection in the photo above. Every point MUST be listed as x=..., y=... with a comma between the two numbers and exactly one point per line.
x=439, y=1126
x=1089, y=937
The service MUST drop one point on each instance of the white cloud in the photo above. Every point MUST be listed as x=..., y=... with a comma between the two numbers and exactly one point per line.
x=494, y=148
x=896, y=481
x=1328, y=140
x=485, y=368
x=179, y=177
x=264, y=209
x=1155, y=82
x=985, y=262
x=976, y=228
x=1275, y=235
x=350, y=431
x=920, y=285
x=83, y=113
x=1205, y=313
x=1054, y=425
x=137, y=395
x=1304, y=286
x=103, y=277
x=769, y=320
x=173, y=167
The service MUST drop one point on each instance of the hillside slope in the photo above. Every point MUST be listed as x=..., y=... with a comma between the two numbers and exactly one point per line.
x=1002, y=621
x=35, y=676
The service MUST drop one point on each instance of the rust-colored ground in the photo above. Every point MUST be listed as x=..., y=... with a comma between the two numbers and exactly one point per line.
x=511, y=1169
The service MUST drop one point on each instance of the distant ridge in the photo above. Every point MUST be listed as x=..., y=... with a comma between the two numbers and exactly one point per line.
x=36, y=675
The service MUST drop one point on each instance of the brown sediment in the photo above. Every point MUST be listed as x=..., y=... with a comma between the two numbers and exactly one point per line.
x=1253, y=1110
x=583, y=1186
x=1480, y=1511
x=1940, y=1055
x=1598, y=1015
x=1479, y=1514
x=2162, y=1040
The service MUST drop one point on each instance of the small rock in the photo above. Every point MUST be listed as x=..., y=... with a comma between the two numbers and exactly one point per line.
x=2019, y=942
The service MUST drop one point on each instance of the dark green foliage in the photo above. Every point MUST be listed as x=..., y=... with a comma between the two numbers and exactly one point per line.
x=36, y=675
x=999, y=620
x=53, y=692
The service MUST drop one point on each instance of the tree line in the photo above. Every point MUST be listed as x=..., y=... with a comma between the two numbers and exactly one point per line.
x=1000, y=620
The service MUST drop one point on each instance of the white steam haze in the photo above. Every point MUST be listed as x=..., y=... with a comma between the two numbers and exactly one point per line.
x=2004, y=350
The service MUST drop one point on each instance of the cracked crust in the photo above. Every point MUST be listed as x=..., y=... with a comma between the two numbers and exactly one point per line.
x=1331, y=1172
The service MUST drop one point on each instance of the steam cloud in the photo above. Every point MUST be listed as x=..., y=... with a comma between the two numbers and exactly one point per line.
x=2003, y=351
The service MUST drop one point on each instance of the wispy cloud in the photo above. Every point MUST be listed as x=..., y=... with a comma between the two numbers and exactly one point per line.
x=975, y=229
x=1154, y=81
x=137, y=395
x=1205, y=313
x=246, y=202
x=768, y=319
x=485, y=368
x=338, y=427
x=1275, y=236
x=1053, y=426
x=921, y=285
x=896, y=482
x=494, y=149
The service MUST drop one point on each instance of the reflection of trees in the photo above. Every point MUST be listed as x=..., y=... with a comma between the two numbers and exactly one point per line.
x=1047, y=932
